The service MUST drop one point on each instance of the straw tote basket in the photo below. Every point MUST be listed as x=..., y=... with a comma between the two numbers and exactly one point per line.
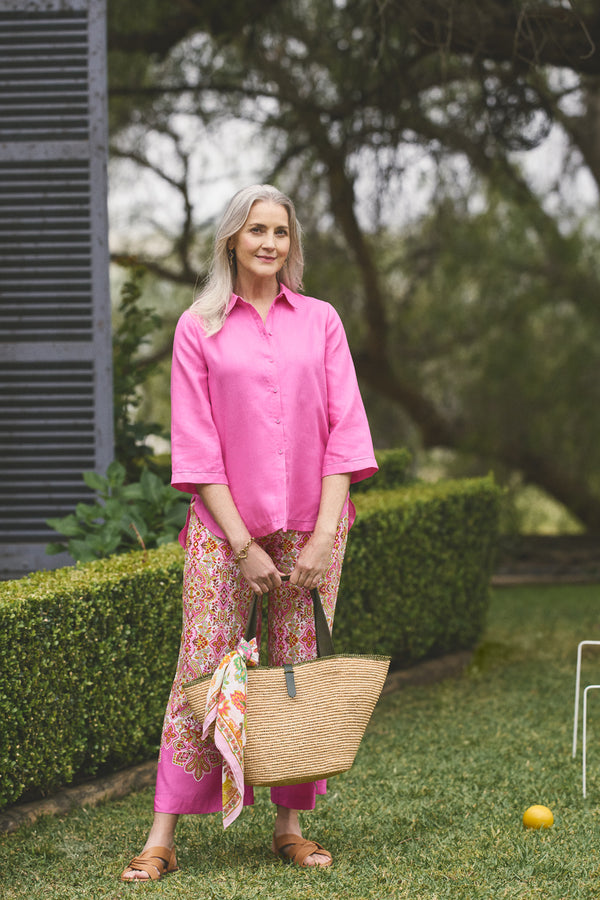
x=303, y=721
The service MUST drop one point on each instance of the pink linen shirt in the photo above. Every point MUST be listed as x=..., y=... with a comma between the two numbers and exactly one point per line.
x=268, y=409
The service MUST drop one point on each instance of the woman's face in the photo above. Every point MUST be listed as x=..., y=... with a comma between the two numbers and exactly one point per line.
x=263, y=242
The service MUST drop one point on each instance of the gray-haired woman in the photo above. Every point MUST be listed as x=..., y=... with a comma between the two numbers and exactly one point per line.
x=268, y=432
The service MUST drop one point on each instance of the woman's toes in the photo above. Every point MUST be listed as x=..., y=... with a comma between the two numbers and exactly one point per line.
x=135, y=875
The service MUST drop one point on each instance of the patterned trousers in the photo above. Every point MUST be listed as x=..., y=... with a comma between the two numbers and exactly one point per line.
x=216, y=599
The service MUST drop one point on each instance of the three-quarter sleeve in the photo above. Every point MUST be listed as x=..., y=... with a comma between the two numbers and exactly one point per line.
x=197, y=456
x=349, y=446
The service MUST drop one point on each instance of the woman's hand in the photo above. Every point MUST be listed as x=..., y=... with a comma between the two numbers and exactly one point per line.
x=315, y=557
x=257, y=567
x=259, y=570
x=313, y=561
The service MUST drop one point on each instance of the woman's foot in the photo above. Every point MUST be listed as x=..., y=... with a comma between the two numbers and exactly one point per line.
x=158, y=856
x=151, y=864
x=289, y=843
x=296, y=849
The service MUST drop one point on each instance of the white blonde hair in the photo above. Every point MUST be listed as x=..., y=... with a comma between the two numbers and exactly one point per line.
x=211, y=303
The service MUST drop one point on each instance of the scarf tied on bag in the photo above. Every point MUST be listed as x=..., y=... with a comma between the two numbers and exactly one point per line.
x=226, y=707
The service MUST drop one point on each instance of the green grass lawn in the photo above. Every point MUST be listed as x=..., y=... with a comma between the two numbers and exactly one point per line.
x=431, y=809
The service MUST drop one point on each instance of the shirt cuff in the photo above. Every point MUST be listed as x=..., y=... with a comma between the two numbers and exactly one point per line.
x=188, y=481
x=359, y=469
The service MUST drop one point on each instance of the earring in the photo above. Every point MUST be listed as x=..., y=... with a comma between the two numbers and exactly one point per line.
x=231, y=255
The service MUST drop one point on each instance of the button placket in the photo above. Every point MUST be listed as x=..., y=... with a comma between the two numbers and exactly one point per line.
x=275, y=390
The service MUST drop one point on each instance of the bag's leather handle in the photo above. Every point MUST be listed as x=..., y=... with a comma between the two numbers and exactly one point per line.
x=323, y=635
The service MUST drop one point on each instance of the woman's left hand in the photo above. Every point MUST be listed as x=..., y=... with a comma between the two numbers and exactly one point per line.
x=313, y=561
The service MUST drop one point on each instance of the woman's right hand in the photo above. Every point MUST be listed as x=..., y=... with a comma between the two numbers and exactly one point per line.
x=259, y=570
x=257, y=567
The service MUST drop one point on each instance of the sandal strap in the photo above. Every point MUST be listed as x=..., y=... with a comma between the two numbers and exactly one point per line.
x=155, y=862
x=298, y=849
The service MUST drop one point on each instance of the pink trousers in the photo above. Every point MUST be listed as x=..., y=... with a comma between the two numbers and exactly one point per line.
x=215, y=609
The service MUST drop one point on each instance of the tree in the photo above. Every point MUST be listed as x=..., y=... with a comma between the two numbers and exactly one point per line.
x=482, y=343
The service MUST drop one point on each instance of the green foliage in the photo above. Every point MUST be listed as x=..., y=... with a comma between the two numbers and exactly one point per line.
x=133, y=331
x=416, y=576
x=87, y=656
x=87, y=653
x=394, y=471
x=147, y=513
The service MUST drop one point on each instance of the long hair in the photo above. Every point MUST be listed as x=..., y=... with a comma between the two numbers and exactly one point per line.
x=211, y=303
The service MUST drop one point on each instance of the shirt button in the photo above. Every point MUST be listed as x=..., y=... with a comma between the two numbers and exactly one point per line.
x=280, y=452
x=277, y=421
x=275, y=390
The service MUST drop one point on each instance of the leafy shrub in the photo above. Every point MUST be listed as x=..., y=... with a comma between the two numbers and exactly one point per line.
x=394, y=471
x=88, y=653
x=147, y=513
x=87, y=657
x=135, y=326
x=415, y=581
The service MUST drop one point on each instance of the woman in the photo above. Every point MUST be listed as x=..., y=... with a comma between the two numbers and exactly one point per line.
x=268, y=432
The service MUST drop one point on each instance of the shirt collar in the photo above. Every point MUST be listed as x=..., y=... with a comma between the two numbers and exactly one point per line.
x=284, y=294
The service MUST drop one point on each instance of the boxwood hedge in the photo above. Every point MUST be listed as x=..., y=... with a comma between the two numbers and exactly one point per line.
x=415, y=582
x=87, y=653
x=86, y=658
x=395, y=470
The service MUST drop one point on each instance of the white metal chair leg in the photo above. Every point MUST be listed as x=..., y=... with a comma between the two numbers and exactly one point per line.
x=590, y=687
x=580, y=647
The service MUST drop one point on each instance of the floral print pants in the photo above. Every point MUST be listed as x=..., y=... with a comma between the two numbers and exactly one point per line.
x=216, y=599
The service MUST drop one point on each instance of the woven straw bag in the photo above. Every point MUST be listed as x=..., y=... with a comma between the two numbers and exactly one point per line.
x=303, y=721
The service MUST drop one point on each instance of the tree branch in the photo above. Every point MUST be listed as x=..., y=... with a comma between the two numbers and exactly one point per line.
x=185, y=276
x=535, y=35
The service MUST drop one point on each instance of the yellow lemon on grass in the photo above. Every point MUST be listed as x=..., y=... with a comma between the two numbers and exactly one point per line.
x=538, y=817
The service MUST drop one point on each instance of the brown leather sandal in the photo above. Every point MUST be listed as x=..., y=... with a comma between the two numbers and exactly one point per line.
x=296, y=849
x=155, y=862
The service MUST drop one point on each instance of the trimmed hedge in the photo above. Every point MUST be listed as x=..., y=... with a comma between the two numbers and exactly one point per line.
x=87, y=657
x=415, y=582
x=88, y=653
x=394, y=471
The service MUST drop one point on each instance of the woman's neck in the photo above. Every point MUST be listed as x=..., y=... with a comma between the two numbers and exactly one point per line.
x=257, y=291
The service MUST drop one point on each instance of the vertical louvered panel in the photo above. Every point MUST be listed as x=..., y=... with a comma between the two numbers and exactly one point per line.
x=55, y=378
x=47, y=415
x=44, y=74
x=45, y=231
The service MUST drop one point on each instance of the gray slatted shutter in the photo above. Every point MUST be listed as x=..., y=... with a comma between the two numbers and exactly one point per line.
x=55, y=336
